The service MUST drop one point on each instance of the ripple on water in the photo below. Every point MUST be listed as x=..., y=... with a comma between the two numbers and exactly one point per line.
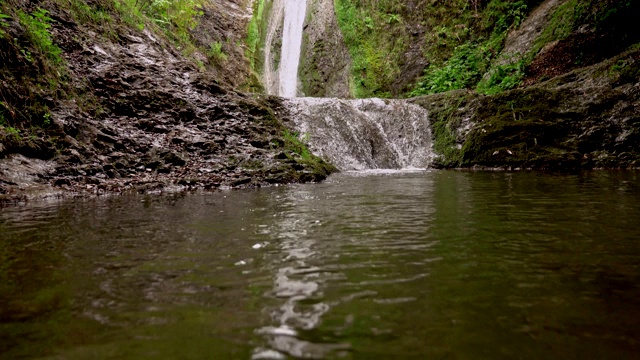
x=405, y=265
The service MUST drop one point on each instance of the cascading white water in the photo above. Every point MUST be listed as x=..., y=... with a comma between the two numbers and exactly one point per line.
x=294, y=14
x=366, y=133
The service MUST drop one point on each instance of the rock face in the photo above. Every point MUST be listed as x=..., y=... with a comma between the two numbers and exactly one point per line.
x=155, y=122
x=325, y=61
x=521, y=40
x=588, y=118
x=273, y=47
x=225, y=22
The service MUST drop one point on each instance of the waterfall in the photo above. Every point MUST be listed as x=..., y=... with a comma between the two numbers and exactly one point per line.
x=351, y=134
x=289, y=16
x=294, y=13
x=366, y=133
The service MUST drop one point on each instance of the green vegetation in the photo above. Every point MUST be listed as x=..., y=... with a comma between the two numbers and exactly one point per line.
x=294, y=143
x=37, y=25
x=3, y=23
x=603, y=18
x=460, y=40
x=176, y=18
x=98, y=13
x=215, y=52
x=562, y=24
x=11, y=132
x=461, y=71
x=445, y=118
x=255, y=33
x=296, y=150
x=503, y=77
x=32, y=60
x=625, y=70
x=471, y=59
x=376, y=39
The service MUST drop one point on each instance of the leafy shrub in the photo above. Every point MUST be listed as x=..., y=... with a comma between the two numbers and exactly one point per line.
x=37, y=26
x=215, y=51
x=503, y=77
x=3, y=23
x=461, y=71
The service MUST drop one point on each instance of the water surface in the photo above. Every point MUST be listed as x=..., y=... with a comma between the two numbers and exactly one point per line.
x=387, y=265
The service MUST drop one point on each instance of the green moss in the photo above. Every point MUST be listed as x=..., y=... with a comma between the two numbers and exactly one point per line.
x=256, y=34
x=626, y=69
x=296, y=144
x=308, y=167
x=520, y=129
x=444, y=123
x=563, y=22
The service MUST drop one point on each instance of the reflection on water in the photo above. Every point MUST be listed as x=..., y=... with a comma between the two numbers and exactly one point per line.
x=296, y=281
x=365, y=266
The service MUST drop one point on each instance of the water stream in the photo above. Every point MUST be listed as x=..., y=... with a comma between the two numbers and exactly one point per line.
x=270, y=77
x=294, y=14
x=289, y=14
x=382, y=265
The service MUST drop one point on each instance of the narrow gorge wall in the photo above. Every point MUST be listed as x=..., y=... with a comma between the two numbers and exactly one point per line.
x=325, y=64
x=588, y=118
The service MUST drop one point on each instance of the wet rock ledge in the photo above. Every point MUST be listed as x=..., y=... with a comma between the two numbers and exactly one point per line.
x=154, y=122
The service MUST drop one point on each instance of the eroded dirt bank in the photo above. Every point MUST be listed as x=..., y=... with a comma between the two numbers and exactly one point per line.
x=154, y=121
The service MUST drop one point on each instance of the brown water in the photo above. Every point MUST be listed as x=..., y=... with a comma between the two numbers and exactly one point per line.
x=423, y=265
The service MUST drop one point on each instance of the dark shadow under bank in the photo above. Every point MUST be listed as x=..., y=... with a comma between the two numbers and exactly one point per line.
x=586, y=119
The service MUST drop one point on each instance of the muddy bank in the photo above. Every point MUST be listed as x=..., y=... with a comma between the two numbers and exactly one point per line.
x=155, y=121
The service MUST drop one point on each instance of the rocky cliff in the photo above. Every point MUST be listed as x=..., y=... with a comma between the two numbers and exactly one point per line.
x=588, y=118
x=93, y=103
x=325, y=63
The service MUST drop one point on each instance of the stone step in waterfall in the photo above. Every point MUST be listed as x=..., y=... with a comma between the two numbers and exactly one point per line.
x=366, y=133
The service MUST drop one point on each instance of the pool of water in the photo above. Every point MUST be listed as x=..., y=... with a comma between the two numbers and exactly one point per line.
x=377, y=265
